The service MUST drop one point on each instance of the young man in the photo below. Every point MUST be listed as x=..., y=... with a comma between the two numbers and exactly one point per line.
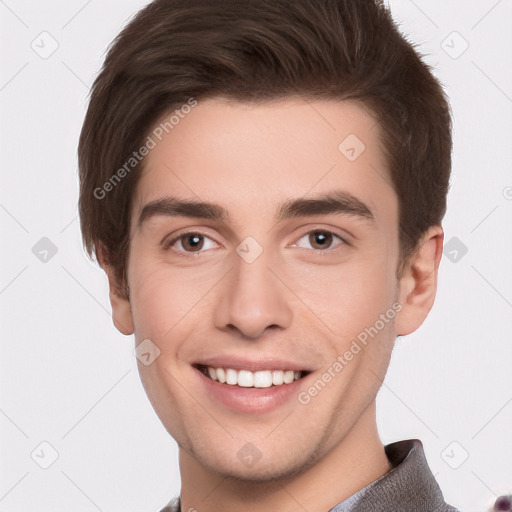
x=264, y=183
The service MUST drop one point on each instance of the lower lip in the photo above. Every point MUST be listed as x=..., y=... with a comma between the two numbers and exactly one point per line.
x=250, y=400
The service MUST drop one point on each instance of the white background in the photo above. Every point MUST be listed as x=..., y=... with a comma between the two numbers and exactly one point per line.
x=70, y=379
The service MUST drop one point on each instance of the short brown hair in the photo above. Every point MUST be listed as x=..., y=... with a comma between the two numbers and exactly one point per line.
x=253, y=51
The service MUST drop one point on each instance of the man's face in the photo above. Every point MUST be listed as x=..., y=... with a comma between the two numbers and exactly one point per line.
x=269, y=285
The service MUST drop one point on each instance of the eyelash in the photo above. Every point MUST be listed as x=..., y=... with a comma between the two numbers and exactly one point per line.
x=169, y=243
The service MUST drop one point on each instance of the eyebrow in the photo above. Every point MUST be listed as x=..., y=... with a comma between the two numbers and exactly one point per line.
x=338, y=202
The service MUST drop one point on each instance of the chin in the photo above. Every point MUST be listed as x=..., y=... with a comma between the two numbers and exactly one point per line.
x=256, y=471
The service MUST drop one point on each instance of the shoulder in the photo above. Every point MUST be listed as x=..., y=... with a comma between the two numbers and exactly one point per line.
x=172, y=506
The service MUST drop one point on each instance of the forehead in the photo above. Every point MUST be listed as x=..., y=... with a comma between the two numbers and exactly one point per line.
x=251, y=157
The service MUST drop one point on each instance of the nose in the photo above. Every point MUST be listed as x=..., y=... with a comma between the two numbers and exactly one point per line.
x=252, y=300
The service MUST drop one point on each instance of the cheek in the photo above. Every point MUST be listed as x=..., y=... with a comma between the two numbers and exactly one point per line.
x=153, y=302
x=348, y=297
x=166, y=298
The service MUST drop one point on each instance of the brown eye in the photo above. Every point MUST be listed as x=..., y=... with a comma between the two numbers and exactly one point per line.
x=320, y=239
x=192, y=242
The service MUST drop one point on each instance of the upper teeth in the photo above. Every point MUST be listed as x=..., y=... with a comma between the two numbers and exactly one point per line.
x=248, y=379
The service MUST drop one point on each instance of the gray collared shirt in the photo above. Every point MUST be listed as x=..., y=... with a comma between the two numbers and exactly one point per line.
x=409, y=486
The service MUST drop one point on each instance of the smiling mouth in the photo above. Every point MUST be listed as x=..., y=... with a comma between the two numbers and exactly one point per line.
x=250, y=379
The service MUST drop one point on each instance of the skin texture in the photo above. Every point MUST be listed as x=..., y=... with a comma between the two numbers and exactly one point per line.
x=296, y=301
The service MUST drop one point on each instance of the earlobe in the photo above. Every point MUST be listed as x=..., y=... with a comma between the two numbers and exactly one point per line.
x=121, y=312
x=121, y=308
x=418, y=285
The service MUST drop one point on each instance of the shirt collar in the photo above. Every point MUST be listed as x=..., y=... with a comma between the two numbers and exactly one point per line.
x=409, y=486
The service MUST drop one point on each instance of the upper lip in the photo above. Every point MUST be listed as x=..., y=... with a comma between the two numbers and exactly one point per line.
x=244, y=363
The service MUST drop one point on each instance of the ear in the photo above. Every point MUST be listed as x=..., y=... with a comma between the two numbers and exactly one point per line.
x=121, y=309
x=418, y=284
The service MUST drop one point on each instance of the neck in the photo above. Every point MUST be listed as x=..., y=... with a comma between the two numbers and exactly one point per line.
x=351, y=464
